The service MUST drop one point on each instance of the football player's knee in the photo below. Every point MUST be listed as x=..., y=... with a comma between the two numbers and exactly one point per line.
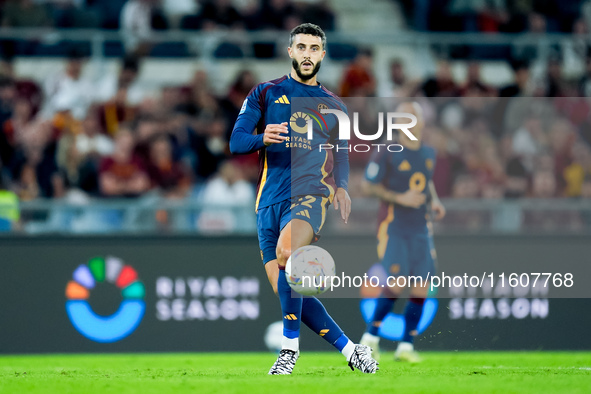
x=283, y=254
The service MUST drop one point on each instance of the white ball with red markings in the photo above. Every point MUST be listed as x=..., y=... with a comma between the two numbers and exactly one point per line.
x=309, y=270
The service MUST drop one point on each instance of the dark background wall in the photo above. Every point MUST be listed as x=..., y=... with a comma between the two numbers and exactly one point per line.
x=34, y=273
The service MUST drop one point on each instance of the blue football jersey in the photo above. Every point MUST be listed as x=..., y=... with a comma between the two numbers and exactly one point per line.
x=296, y=167
x=399, y=172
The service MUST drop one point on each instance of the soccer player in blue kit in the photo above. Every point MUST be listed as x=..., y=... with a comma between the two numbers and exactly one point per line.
x=403, y=183
x=297, y=182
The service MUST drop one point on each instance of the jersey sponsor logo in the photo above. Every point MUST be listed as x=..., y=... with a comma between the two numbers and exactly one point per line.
x=282, y=100
x=404, y=166
x=322, y=106
x=243, y=108
x=299, y=122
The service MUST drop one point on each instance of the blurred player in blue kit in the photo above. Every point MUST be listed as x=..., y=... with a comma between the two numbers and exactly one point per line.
x=403, y=183
x=297, y=182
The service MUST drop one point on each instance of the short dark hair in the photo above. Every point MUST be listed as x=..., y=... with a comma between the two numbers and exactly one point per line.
x=308, y=28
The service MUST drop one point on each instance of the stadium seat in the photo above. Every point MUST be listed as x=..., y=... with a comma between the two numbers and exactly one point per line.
x=264, y=50
x=190, y=22
x=170, y=49
x=62, y=49
x=113, y=49
x=338, y=51
x=111, y=9
x=227, y=50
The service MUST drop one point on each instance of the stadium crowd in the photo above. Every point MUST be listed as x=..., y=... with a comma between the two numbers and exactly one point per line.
x=110, y=139
x=119, y=142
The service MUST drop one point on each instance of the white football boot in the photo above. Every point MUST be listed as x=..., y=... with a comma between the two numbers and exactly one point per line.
x=373, y=342
x=406, y=352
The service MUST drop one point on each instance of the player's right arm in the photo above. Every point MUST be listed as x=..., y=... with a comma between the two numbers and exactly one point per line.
x=373, y=185
x=242, y=140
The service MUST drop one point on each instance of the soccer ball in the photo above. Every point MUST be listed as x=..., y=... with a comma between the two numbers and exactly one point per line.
x=309, y=270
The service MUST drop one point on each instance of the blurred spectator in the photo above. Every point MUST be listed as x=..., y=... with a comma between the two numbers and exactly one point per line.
x=219, y=13
x=92, y=146
x=231, y=104
x=13, y=128
x=127, y=79
x=465, y=186
x=442, y=84
x=554, y=84
x=447, y=164
x=578, y=170
x=521, y=79
x=169, y=176
x=358, y=79
x=320, y=13
x=585, y=81
x=529, y=140
x=25, y=88
x=223, y=192
x=115, y=112
x=398, y=85
x=25, y=13
x=7, y=97
x=277, y=15
x=543, y=184
x=68, y=90
x=137, y=25
x=210, y=147
x=33, y=167
x=474, y=85
x=516, y=182
x=123, y=174
x=175, y=10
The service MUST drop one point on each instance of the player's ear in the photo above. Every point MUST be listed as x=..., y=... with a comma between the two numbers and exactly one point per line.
x=289, y=52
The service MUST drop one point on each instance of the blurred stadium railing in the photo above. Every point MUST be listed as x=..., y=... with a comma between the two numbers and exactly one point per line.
x=242, y=44
x=155, y=216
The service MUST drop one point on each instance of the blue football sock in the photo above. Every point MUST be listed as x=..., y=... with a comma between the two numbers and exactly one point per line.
x=412, y=316
x=383, y=307
x=315, y=316
x=291, y=307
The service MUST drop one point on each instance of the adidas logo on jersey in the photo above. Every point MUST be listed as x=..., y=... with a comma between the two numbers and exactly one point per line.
x=282, y=100
x=404, y=166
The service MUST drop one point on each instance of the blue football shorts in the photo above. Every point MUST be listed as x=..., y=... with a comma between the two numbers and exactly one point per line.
x=272, y=219
x=410, y=254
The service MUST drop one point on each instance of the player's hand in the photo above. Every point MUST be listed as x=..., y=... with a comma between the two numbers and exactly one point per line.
x=273, y=133
x=343, y=201
x=411, y=199
x=438, y=209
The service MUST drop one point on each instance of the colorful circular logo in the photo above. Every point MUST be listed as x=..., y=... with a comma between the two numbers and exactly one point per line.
x=299, y=122
x=120, y=324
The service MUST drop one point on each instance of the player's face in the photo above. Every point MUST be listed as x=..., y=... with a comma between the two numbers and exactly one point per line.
x=306, y=53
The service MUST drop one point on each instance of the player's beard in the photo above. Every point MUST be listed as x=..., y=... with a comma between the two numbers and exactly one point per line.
x=296, y=67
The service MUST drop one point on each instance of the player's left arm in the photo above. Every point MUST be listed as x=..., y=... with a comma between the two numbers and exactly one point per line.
x=436, y=205
x=341, y=199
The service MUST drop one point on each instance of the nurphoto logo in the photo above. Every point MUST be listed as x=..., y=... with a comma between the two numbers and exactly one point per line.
x=345, y=130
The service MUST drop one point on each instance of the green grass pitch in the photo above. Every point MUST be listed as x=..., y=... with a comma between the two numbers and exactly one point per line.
x=482, y=372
